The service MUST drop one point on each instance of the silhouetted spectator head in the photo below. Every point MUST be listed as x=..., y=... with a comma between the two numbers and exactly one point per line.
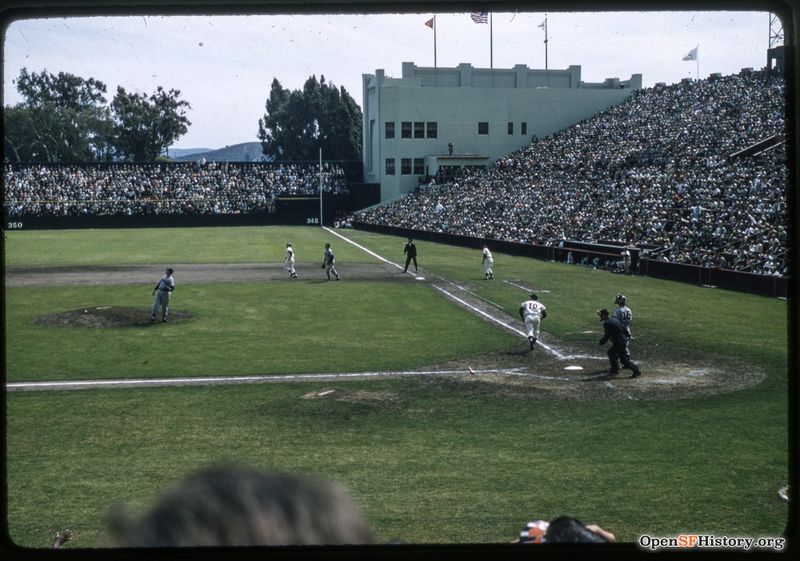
x=232, y=505
x=566, y=529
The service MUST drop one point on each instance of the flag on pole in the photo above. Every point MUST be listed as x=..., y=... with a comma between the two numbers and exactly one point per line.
x=480, y=17
x=543, y=25
x=432, y=24
x=691, y=55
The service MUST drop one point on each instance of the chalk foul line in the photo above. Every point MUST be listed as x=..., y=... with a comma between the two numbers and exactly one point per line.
x=277, y=378
x=555, y=352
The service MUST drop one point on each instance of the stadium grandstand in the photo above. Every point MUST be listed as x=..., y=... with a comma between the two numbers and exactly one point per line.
x=161, y=188
x=694, y=173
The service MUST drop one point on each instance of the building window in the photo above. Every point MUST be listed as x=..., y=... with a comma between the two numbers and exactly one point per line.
x=524, y=128
x=390, y=130
x=510, y=128
x=483, y=128
x=432, y=129
x=389, y=166
x=419, y=130
x=405, y=166
x=419, y=166
x=405, y=129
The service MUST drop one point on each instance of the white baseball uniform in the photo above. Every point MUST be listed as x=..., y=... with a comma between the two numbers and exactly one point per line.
x=488, y=262
x=288, y=263
x=532, y=316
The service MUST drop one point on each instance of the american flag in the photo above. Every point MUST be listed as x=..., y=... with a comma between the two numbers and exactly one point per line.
x=480, y=17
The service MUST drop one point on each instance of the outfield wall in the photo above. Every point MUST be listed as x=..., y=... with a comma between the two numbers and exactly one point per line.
x=763, y=285
x=289, y=210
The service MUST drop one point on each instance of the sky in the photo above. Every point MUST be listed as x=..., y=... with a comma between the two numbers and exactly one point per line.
x=223, y=65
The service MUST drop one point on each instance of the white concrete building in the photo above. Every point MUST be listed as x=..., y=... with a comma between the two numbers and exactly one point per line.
x=409, y=122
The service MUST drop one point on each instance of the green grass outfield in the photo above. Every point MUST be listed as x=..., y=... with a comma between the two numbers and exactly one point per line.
x=433, y=460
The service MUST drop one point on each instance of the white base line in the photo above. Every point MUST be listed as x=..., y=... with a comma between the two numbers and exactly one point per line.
x=481, y=312
x=495, y=304
x=511, y=328
x=551, y=350
x=206, y=380
x=365, y=250
x=528, y=290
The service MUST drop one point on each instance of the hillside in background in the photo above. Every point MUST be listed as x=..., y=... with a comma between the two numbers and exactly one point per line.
x=245, y=152
x=181, y=152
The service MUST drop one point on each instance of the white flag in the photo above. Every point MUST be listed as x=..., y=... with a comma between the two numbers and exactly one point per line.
x=691, y=55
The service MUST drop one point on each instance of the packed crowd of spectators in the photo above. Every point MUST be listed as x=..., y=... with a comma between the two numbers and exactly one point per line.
x=161, y=188
x=654, y=170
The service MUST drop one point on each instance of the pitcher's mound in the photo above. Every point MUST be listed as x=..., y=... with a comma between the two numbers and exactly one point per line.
x=107, y=316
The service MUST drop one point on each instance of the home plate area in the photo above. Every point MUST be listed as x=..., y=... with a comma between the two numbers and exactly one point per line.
x=545, y=377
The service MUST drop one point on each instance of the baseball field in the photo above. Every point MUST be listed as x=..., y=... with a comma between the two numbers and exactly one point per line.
x=418, y=393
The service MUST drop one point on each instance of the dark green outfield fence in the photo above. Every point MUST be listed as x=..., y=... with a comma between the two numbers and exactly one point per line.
x=764, y=285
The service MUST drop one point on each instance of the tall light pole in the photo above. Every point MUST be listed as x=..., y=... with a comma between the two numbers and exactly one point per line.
x=775, y=37
x=320, y=187
x=775, y=30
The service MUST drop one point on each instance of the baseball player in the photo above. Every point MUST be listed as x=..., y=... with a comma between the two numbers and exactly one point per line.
x=532, y=313
x=329, y=262
x=613, y=331
x=488, y=261
x=288, y=263
x=626, y=260
x=165, y=286
x=411, y=254
x=623, y=314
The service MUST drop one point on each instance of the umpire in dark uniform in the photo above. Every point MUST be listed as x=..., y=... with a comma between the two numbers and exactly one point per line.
x=411, y=253
x=614, y=331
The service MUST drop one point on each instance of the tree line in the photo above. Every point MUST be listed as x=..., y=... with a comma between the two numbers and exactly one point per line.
x=297, y=124
x=67, y=119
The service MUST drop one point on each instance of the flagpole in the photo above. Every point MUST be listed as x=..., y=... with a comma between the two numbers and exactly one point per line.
x=697, y=59
x=491, y=62
x=545, y=42
x=434, y=41
x=432, y=24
